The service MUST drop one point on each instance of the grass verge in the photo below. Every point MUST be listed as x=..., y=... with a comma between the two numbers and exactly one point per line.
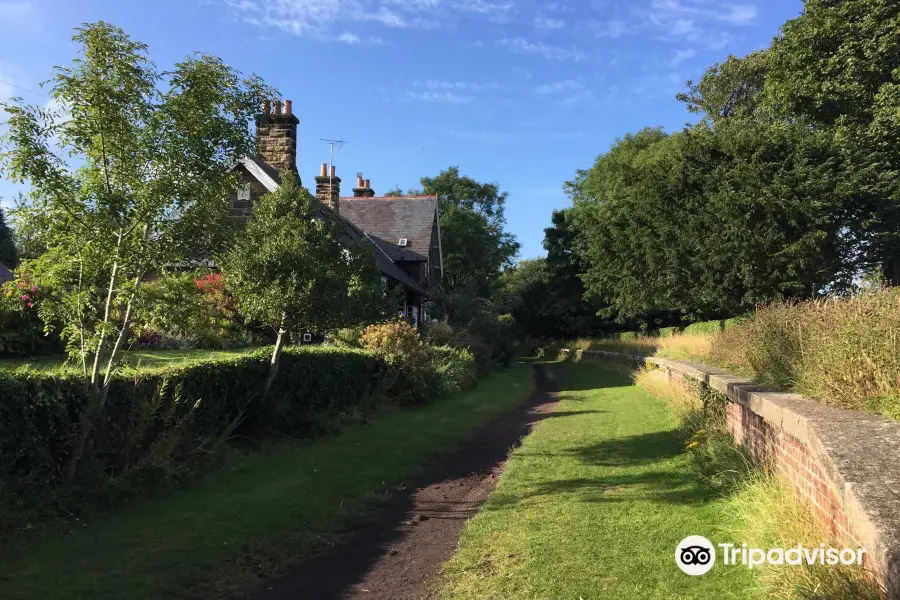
x=593, y=504
x=258, y=515
x=764, y=511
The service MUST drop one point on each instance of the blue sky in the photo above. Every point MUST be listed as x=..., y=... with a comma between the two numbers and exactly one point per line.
x=520, y=92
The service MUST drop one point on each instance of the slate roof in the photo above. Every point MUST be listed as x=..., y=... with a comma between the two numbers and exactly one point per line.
x=355, y=230
x=5, y=274
x=388, y=219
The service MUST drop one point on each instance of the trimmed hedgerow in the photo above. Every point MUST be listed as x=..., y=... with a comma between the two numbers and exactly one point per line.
x=175, y=413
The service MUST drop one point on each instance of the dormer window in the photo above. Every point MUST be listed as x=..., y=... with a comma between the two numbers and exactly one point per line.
x=403, y=243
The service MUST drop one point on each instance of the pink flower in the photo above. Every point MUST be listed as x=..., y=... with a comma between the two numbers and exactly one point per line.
x=30, y=305
x=34, y=288
x=24, y=296
x=21, y=284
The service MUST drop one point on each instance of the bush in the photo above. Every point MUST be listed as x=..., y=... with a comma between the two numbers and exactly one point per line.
x=348, y=337
x=21, y=327
x=410, y=377
x=440, y=334
x=163, y=417
x=456, y=369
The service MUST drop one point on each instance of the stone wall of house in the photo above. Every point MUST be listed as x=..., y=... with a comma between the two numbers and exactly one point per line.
x=241, y=209
x=842, y=463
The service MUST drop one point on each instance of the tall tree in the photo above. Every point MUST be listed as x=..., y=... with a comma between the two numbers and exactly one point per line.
x=837, y=65
x=291, y=270
x=476, y=246
x=705, y=223
x=147, y=184
x=9, y=255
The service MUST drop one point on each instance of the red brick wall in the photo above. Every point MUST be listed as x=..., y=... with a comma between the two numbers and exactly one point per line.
x=773, y=446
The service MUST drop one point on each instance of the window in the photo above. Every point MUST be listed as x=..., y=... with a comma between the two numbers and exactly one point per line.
x=307, y=337
x=414, y=315
x=244, y=192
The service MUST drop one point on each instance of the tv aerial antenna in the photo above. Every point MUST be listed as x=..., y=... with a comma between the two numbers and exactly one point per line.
x=340, y=144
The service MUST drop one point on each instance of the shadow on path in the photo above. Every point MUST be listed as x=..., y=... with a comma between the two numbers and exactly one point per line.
x=397, y=555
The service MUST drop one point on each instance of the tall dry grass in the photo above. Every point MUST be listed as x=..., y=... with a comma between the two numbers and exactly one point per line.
x=844, y=351
x=681, y=346
x=767, y=513
x=764, y=511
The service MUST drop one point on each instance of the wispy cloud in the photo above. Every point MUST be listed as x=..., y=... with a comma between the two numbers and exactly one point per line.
x=739, y=14
x=353, y=39
x=438, y=97
x=549, y=23
x=558, y=87
x=319, y=18
x=614, y=28
x=577, y=99
x=523, y=46
x=682, y=55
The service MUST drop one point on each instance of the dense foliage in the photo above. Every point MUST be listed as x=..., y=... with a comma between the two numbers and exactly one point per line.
x=9, y=254
x=132, y=179
x=154, y=418
x=291, y=270
x=788, y=187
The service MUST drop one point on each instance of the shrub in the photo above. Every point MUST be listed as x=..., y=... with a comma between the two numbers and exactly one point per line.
x=21, y=327
x=410, y=377
x=163, y=417
x=348, y=337
x=440, y=333
x=456, y=369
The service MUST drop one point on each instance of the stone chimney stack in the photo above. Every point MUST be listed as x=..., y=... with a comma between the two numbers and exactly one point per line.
x=328, y=189
x=363, y=188
x=276, y=135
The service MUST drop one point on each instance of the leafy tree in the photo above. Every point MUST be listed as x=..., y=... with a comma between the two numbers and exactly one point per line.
x=290, y=269
x=476, y=247
x=838, y=65
x=9, y=255
x=705, y=223
x=730, y=90
x=146, y=185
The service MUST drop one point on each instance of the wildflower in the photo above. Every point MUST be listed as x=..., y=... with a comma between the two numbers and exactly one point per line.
x=24, y=297
x=34, y=288
x=30, y=304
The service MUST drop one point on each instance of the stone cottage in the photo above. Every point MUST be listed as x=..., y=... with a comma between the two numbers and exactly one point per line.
x=404, y=231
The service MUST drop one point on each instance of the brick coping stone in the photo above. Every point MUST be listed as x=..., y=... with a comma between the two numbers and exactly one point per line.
x=859, y=452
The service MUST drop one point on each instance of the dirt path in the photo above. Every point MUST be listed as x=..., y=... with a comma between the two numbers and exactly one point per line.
x=396, y=556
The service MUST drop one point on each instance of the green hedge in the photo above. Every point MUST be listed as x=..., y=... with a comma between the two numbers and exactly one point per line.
x=174, y=413
x=709, y=326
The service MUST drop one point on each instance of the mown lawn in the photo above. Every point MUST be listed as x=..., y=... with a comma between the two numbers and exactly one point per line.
x=257, y=516
x=150, y=359
x=593, y=505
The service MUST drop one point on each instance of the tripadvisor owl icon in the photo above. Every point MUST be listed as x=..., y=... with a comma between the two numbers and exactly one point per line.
x=695, y=555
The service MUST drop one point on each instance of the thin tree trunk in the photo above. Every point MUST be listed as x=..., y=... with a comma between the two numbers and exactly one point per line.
x=276, y=357
x=99, y=393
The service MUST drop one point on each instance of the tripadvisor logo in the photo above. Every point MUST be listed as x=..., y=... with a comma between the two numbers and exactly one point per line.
x=696, y=555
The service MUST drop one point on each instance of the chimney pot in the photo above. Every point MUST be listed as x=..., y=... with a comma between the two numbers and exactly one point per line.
x=333, y=171
x=368, y=185
x=359, y=180
x=323, y=171
x=288, y=108
x=265, y=107
x=277, y=107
